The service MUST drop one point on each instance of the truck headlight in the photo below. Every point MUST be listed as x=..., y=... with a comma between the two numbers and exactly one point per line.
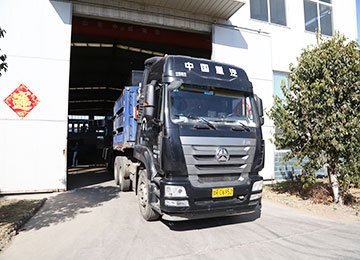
x=172, y=191
x=176, y=203
x=257, y=186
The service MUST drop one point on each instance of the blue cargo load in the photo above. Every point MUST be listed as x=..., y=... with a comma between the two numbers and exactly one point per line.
x=124, y=119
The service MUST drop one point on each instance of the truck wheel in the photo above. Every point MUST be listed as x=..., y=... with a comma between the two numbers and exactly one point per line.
x=117, y=169
x=144, y=198
x=124, y=183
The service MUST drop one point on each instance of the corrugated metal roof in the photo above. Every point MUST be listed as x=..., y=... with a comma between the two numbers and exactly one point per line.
x=188, y=15
x=222, y=9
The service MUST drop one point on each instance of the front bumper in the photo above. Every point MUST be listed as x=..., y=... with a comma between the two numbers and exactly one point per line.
x=202, y=205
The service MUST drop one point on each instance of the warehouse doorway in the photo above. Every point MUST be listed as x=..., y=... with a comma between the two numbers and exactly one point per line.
x=104, y=56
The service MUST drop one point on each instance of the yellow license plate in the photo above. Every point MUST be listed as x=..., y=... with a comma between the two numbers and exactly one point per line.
x=223, y=192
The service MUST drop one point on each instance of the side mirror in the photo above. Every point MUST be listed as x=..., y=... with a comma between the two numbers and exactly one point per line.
x=260, y=108
x=149, y=102
x=261, y=120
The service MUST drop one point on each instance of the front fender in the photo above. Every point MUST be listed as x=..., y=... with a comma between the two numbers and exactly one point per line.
x=144, y=155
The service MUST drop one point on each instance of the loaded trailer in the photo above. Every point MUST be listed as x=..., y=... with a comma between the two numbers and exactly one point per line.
x=188, y=140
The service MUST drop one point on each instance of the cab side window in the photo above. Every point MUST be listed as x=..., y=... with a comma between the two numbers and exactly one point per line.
x=158, y=102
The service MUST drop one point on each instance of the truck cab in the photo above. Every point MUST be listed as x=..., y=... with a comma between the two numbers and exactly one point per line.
x=198, y=147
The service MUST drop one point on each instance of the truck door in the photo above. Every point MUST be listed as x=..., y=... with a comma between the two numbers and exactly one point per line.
x=157, y=125
x=151, y=129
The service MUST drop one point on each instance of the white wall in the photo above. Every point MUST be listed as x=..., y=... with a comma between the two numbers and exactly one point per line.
x=345, y=17
x=287, y=41
x=252, y=52
x=37, y=43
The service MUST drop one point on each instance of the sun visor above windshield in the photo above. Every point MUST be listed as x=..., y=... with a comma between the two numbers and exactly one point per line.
x=206, y=73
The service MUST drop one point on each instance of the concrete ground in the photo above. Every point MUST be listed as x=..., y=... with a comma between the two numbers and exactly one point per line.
x=97, y=222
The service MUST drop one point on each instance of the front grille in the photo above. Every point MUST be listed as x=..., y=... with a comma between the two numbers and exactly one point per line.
x=211, y=157
x=201, y=162
x=219, y=166
x=219, y=177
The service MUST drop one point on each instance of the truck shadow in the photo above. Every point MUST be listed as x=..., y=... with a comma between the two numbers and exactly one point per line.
x=188, y=225
x=66, y=206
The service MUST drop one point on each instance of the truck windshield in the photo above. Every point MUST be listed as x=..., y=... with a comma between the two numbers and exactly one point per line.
x=192, y=103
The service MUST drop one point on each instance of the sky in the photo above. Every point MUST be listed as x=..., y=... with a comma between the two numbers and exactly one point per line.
x=358, y=18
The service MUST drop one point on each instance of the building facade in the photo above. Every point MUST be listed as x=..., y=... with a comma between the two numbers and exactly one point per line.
x=49, y=45
x=283, y=29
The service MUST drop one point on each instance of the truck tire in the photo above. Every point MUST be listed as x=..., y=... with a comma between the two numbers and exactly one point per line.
x=144, y=198
x=116, y=169
x=124, y=183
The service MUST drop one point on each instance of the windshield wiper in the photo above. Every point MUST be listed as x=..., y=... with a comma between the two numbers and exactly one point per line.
x=203, y=120
x=243, y=126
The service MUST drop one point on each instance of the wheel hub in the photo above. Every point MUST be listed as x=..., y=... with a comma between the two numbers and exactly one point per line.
x=143, y=194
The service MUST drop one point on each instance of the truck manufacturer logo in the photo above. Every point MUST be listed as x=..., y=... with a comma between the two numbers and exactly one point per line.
x=222, y=154
x=206, y=69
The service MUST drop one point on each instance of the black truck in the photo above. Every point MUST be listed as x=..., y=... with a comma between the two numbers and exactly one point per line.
x=188, y=140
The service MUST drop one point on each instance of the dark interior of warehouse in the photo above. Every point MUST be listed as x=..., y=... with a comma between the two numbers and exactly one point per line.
x=103, y=56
